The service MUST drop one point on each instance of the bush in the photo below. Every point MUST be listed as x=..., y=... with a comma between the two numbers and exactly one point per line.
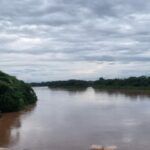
x=14, y=94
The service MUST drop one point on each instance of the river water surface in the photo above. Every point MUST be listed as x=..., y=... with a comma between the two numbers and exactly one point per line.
x=73, y=120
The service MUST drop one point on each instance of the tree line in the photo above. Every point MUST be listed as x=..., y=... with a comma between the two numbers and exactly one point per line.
x=142, y=82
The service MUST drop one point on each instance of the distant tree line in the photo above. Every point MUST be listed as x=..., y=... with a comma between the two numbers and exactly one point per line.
x=142, y=82
x=70, y=84
x=35, y=84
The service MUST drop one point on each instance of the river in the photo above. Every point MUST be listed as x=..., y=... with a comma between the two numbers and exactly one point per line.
x=74, y=120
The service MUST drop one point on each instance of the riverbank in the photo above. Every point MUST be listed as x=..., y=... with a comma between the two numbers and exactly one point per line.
x=141, y=83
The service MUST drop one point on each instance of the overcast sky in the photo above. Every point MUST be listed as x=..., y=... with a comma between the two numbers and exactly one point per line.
x=82, y=39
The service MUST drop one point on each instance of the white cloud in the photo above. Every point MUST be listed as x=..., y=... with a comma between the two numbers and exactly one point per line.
x=63, y=39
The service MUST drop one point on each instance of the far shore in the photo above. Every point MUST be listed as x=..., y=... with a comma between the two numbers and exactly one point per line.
x=140, y=84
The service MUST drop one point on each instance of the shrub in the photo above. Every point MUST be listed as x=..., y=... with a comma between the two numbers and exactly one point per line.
x=14, y=94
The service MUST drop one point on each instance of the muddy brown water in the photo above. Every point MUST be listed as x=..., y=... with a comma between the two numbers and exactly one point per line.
x=74, y=120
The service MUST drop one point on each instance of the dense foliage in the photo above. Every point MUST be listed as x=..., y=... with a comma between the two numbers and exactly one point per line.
x=69, y=84
x=141, y=83
x=14, y=94
x=34, y=84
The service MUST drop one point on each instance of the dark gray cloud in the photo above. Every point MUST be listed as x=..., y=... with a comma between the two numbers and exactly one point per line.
x=63, y=39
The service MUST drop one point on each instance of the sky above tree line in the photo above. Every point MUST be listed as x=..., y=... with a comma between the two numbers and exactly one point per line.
x=44, y=40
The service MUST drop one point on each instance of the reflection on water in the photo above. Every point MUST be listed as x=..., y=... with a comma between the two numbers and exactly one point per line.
x=75, y=119
x=9, y=124
x=127, y=93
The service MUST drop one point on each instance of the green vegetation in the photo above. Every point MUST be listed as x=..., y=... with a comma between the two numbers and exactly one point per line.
x=40, y=84
x=131, y=83
x=14, y=94
x=135, y=83
x=69, y=84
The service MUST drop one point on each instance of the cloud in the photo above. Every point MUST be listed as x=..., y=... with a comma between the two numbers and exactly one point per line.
x=59, y=39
